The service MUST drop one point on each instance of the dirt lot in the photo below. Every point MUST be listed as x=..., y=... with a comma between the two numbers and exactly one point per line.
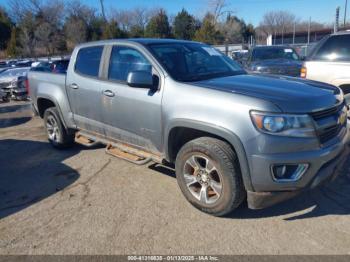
x=83, y=201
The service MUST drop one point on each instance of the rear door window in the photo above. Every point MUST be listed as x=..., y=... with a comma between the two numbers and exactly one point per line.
x=336, y=48
x=88, y=61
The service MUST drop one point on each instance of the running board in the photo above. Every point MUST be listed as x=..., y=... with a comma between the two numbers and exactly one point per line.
x=118, y=149
x=83, y=140
x=127, y=153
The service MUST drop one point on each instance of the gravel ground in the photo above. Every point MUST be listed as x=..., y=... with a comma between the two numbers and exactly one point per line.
x=83, y=201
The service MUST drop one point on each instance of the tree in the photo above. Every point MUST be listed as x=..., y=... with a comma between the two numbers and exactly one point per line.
x=277, y=22
x=5, y=28
x=27, y=40
x=11, y=49
x=232, y=29
x=136, y=31
x=247, y=32
x=184, y=26
x=218, y=8
x=137, y=17
x=207, y=33
x=158, y=26
x=111, y=30
x=75, y=31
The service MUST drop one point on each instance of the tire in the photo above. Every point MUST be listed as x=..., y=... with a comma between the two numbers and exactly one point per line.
x=209, y=176
x=56, y=133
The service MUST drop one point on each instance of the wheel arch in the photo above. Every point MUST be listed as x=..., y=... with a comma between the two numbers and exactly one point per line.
x=183, y=131
x=45, y=102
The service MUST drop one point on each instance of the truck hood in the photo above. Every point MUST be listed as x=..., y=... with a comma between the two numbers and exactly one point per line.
x=291, y=95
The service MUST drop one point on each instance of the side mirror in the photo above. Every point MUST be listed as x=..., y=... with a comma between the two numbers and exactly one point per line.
x=141, y=79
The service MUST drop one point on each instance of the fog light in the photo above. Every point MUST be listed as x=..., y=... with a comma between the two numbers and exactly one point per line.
x=288, y=172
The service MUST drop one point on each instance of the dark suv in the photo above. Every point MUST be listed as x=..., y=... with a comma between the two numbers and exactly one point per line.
x=276, y=60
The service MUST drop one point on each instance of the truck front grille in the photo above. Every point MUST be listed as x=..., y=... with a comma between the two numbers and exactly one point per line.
x=328, y=123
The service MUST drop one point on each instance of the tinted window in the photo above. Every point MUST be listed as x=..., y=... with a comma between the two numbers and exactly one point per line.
x=60, y=67
x=194, y=61
x=336, y=48
x=124, y=60
x=88, y=61
x=274, y=53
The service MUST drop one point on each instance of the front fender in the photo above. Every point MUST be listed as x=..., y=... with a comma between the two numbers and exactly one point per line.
x=228, y=135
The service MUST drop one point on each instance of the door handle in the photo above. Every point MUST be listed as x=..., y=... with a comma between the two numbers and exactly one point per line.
x=74, y=86
x=108, y=93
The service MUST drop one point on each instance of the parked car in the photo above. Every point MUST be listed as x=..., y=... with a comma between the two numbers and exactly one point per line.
x=12, y=82
x=3, y=64
x=11, y=63
x=229, y=134
x=41, y=66
x=60, y=66
x=4, y=97
x=240, y=56
x=329, y=61
x=277, y=60
x=23, y=63
x=56, y=66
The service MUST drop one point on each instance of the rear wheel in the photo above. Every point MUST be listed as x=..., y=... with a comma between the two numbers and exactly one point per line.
x=209, y=176
x=56, y=133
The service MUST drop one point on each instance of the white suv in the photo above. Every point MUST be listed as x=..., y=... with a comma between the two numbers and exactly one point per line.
x=329, y=61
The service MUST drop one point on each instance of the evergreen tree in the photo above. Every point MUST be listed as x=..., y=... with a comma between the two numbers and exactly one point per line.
x=5, y=28
x=207, y=33
x=158, y=26
x=184, y=25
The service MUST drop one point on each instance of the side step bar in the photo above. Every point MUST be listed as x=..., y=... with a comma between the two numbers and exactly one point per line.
x=128, y=154
x=83, y=140
x=118, y=149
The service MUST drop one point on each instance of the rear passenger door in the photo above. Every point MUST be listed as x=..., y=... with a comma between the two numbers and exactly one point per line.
x=131, y=114
x=84, y=89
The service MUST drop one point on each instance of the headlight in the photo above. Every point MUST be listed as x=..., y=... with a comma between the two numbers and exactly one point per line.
x=283, y=124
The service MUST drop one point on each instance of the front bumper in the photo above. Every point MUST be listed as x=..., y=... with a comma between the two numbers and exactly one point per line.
x=325, y=164
x=328, y=172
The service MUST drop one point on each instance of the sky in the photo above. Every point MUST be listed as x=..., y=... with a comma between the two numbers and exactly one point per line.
x=251, y=11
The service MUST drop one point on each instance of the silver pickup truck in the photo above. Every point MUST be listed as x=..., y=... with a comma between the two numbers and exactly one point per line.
x=232, y=136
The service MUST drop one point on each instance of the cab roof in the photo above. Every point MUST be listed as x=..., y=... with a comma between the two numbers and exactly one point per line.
x=142, y=41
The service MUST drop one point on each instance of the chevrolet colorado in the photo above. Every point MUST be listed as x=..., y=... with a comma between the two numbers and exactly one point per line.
x=232, y=136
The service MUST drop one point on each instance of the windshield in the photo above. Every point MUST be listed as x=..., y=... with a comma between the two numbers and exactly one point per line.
x=193, y=61
x=274, y=53
x=14, y=72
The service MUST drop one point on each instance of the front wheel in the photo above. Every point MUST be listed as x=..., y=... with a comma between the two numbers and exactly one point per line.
x=208, y=174
x=56, y=133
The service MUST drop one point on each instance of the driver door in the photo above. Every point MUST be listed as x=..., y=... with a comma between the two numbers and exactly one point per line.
x=131, y=114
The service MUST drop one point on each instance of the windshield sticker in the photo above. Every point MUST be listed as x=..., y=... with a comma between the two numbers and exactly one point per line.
x=211, y=51
x=288, y=50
